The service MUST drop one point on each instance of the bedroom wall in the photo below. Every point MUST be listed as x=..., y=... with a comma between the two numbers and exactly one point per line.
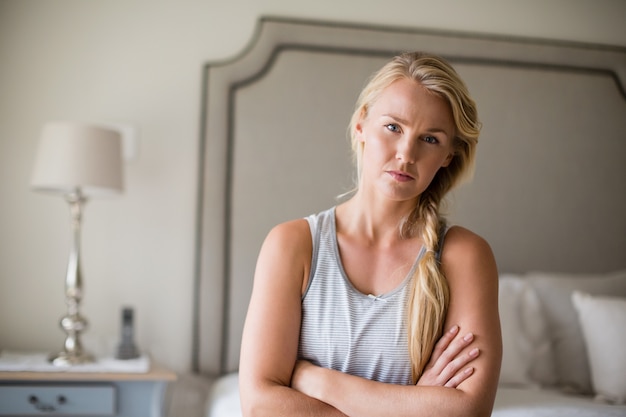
x=139, y=62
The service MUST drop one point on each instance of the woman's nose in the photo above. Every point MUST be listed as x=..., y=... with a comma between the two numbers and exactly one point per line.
x=406, y=152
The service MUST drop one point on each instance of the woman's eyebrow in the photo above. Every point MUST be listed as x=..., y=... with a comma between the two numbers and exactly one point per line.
x=396, y=118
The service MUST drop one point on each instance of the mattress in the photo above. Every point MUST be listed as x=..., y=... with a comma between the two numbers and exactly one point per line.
x=510, y=402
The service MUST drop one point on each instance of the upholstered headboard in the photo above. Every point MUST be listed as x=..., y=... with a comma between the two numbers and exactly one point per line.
x=549, y=191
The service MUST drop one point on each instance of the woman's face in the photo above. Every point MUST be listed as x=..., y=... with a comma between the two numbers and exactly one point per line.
x=407, y=137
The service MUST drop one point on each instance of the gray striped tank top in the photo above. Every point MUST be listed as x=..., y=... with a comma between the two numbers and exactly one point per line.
x=344, y=329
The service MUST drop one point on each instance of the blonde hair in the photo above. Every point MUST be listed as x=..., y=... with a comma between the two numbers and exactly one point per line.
x=429, y=297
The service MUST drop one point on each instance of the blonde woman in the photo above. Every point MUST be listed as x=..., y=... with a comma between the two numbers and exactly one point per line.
x=376, y=307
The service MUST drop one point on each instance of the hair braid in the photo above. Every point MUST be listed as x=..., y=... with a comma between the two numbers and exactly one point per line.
x=429, y=294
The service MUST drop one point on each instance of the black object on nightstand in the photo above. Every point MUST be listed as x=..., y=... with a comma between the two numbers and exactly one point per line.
x=127, y=348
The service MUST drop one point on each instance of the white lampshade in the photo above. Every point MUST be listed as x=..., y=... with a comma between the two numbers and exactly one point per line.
x=78, y=156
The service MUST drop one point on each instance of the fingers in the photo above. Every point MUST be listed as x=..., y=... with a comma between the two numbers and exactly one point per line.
x=456, y=371
x=450, y=348
x=443, y=343
x=448, y=365
x=460, y=377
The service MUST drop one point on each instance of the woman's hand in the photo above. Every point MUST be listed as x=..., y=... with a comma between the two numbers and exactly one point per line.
x=447, y=364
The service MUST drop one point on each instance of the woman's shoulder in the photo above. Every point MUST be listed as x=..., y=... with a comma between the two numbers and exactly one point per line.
x=285, y=255
x=459, y=238
x=299, y=230
x=465, y=250
x=291, y=232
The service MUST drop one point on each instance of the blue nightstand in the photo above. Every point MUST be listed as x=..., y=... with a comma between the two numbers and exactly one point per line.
x=84, y=393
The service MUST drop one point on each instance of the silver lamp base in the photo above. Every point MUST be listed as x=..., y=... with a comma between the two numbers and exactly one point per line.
x=73, y=323
x=69, y=359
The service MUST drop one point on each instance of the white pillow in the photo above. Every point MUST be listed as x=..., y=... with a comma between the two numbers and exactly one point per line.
x=224, y=399
x=526, y=346
x=555, y=292
x=603, y=324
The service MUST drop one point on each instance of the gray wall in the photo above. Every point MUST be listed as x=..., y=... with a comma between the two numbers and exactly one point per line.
x=139, y=63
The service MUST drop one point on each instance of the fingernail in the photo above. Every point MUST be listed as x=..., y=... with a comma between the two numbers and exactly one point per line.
x=454, y=329
x=468, y=337
x=469, y=371
x=474, y=352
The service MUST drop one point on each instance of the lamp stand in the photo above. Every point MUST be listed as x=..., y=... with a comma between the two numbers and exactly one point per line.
x=73, y=323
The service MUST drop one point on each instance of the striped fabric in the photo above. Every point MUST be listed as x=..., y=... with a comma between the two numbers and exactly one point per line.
x=344, y=329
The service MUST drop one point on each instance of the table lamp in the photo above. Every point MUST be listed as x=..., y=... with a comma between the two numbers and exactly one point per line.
x=77, y=161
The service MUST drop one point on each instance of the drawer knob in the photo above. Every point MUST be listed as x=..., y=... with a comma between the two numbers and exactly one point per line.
x=46, y=408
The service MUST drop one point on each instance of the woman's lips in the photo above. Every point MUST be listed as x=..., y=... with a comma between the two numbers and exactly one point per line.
x=400, y=176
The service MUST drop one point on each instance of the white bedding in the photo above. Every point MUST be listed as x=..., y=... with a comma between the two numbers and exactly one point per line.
x=223, y=399
x=533, y=402
x=510, y=402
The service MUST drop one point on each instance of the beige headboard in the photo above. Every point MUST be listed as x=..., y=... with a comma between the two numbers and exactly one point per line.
x=549, y=191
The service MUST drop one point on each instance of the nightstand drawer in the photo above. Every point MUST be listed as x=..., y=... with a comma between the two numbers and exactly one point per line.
x=57, y=400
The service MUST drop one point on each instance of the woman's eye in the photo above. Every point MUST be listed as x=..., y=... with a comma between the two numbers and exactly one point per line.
x=431, y=139
x=392, y=127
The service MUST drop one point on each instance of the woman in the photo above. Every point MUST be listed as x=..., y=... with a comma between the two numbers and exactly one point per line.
x=349, y=306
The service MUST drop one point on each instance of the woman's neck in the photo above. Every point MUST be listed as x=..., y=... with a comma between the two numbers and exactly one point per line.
x=375, y=222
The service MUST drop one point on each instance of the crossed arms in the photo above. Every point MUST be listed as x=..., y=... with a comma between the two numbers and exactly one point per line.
x=460, y=379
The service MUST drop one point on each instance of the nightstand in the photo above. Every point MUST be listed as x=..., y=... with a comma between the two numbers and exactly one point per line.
x=84, y=393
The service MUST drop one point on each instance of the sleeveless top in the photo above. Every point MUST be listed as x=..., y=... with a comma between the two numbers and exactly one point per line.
x=344, y=329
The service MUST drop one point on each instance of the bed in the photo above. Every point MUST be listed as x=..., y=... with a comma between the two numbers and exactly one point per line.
x=548, y=192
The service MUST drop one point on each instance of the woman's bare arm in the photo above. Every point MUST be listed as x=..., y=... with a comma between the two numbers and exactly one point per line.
x=471, y=271
x=272, y=328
